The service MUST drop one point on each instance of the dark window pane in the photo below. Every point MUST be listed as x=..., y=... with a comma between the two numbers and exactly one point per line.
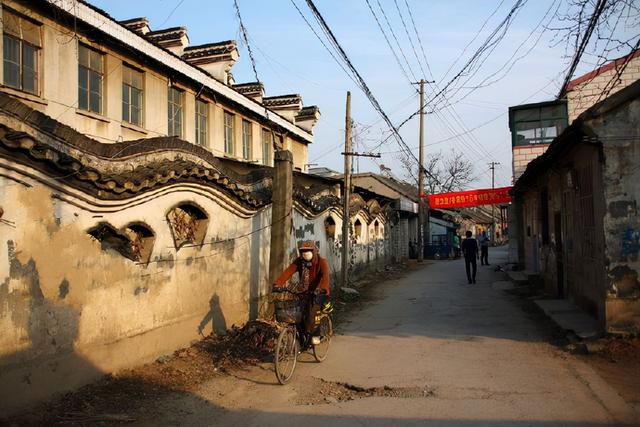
x=83, y=56
x=95, y=61
x=28, y=56
x=125, y=103
x=30, y=68
x=136, y=98
x=135, y=116
x=95, y=82
x=83, y=98
x=12, y=74
x=126, y=90
x=11, y=62
x=29, y=81
x=96, y=103
x=83, y=81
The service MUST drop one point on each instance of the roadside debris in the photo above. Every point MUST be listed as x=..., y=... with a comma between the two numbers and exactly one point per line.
x=329, y=392
x=250, y=344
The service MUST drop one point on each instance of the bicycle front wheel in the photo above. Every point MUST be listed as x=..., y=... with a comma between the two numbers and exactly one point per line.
x=286, y=355
x=321, y=350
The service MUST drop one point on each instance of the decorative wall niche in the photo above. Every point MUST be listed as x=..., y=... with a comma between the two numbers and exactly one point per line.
x=357, y=229
x=134, y=242
x=330, y=227
x=188, y=224
x=141, y=240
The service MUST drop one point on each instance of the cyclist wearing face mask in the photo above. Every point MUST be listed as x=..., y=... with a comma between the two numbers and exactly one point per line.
x=313, y=271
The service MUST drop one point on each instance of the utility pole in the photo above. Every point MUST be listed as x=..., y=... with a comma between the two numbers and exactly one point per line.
x=492, y=166
x=346, y=223
x=346, y=191
x=421, y=178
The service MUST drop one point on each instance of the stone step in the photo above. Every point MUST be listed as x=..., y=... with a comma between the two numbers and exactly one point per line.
x=569, y=317
x=519, y=278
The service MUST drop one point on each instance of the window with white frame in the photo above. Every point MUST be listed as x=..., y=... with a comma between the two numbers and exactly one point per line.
x=174, y=112
x=202, y=109
x=132, y=95
x=247, y=137
x=267, y=147
x=21, y=46
x=229, y=120
x=90, y=79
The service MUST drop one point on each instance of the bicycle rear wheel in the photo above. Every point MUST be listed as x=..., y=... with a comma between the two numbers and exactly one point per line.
x=286, y=355
x=321, y=350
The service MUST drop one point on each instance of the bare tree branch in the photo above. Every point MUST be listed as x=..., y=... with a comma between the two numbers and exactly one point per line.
x=452, y=172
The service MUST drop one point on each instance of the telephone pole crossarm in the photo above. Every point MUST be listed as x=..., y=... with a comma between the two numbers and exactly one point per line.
x=354, y=154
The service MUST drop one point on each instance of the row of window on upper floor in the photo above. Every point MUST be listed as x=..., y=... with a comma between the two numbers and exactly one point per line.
x=22, y=44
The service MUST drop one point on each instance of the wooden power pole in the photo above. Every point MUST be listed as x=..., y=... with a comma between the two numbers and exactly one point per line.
x=421, y=243
x=346, y=224
x=492, y=166
x=346, y=191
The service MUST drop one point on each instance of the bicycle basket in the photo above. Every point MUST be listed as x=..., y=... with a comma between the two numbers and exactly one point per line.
x=288, y=311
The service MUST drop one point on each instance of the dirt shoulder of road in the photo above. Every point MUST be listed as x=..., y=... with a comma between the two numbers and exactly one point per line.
x=129, y=395
x=615, y=359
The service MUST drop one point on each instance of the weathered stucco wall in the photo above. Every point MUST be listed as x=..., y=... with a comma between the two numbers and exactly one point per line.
x=620, y=133
x=65, y=301
x=368, y=252
x=562, y=229
x=73, y=308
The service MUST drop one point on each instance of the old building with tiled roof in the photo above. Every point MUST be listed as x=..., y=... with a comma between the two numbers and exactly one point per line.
x=119, y=81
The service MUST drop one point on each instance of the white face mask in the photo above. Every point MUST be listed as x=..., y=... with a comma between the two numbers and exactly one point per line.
x=307, y=255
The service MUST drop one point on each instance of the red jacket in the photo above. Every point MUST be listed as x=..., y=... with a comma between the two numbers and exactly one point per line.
x=318, y=273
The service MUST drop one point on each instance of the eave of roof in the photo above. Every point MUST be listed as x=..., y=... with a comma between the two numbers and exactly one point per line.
x=392, y=184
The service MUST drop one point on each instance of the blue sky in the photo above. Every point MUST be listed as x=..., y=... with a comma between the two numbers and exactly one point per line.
x=290, y=59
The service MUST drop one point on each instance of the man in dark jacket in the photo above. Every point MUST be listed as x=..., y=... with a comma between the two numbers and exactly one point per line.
x=313, y=271
x=470, y=251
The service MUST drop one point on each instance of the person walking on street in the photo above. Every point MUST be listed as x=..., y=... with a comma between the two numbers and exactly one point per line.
x=470, y=252
x=456, y=246
x=484, y=249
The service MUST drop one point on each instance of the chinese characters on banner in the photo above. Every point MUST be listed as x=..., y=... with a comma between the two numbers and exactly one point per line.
x=463, y=199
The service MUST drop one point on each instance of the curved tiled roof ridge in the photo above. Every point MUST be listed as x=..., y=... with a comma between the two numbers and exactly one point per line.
x=121, y=169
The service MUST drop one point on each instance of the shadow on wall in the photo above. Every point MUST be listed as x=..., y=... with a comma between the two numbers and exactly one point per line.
x=49, y=363
x=215, y=316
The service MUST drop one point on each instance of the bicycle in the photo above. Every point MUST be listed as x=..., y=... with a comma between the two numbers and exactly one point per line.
x=293, y=336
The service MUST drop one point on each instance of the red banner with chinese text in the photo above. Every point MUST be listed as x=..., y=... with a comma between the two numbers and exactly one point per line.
x=463, y=199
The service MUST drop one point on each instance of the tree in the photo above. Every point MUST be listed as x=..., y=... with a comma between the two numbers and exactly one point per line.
x=442, y=173
x=602, y=30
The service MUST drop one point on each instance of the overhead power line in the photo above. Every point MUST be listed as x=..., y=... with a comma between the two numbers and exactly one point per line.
x=304, y=18
x=363, y=85
x=415, y=29
x=395, y=55
x=484, y=51
x=583, y=44
x=397, y=40
x=406, y=30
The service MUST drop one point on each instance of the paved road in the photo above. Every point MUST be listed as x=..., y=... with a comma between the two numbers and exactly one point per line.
x=450, y=354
